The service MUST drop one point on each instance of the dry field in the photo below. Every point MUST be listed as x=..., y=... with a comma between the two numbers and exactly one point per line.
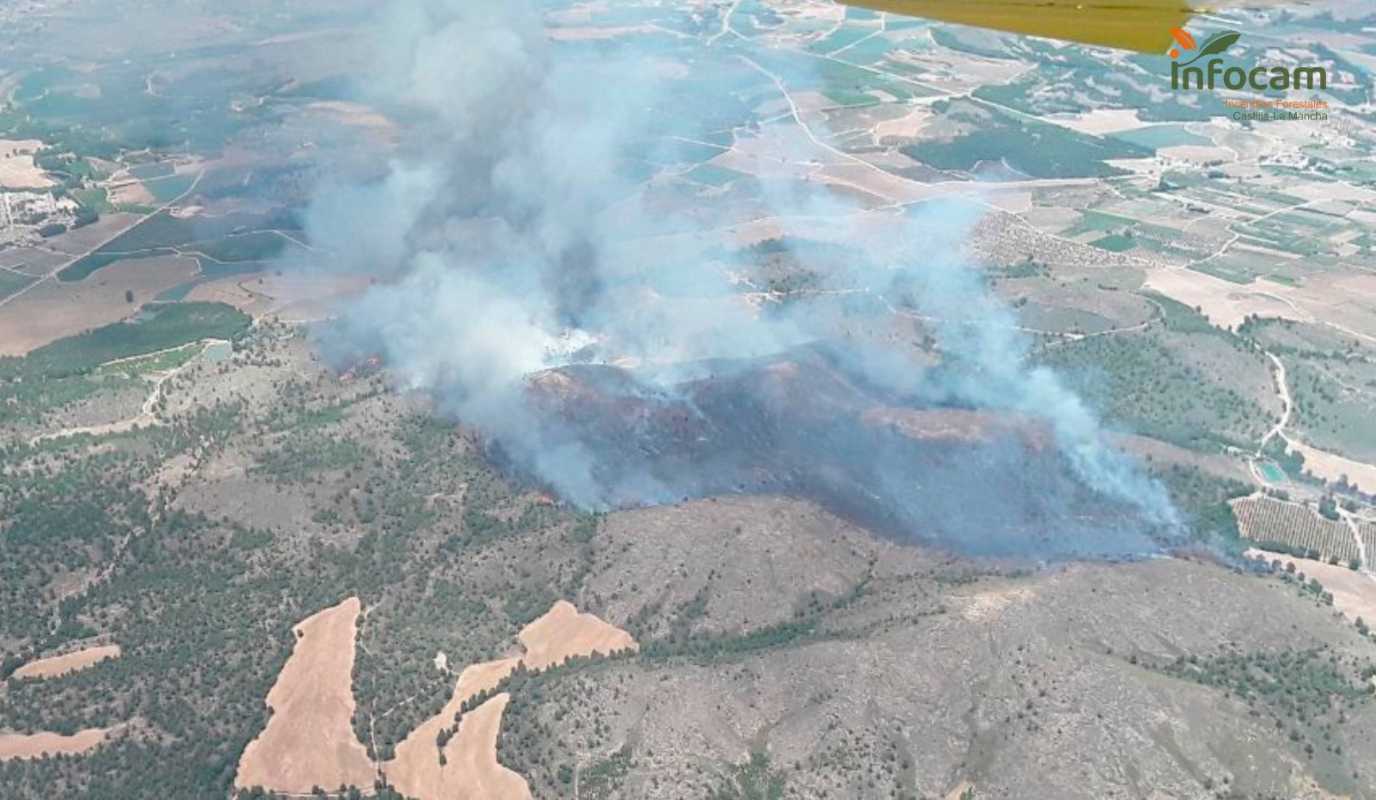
x=1333, y=467
x=1354, y=593
x=352, y=113
x=473, y=755
x=1099, y=121
x=87, y=238
x=309, y=740
x=597, y=34
x=875, y=182
x=292, y=298
x=54, y=310
x=563, y=632
x=470, y=756
x=1226, y=304
x=36, y=745
x=1342, y=301
x=133, y=193
x=17, y=170
x=71, y=662
x=31, y=260
x=471, y=769
x=1199, y=154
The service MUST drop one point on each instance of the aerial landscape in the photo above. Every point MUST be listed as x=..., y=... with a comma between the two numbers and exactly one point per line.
x=706, y=399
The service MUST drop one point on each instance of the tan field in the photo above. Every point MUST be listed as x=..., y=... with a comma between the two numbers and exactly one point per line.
x=36, y=745
x=1199, y=154
x=295, y=298
x=473, y=755
x=71, y=662
x=352, y=114
x=1333, y=467
x=563, y=632
x=1226, y=304
x=17, y=170
x=239, y=292
x=1099, y=121
x=471, y=769
x=597, y=33
x=86, y=239
x=1354, y=593
x=1343, y=302
x=133, y=193
x=309, y=740
x=471, y=765
x=53, y=310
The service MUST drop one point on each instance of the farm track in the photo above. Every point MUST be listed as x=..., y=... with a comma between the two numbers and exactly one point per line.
x=147, y=416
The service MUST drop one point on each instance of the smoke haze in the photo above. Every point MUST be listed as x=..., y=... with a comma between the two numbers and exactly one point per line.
x=527, y=278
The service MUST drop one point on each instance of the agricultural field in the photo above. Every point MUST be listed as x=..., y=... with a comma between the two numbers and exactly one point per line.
x=308, y=740
x=56, y=666
x=13, y=281
x=1284, y=527
x=966, y=135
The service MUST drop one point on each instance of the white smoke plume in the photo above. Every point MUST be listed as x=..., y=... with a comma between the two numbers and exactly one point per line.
x=511, y=238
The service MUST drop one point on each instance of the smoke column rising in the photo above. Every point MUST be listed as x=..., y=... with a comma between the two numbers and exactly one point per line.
x=516, y=239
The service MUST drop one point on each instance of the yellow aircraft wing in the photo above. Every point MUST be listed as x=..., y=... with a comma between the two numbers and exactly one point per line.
x=1141, y=25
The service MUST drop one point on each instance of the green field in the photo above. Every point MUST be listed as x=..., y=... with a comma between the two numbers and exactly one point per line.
x=165, y=190
x=1034, y=148
x=232, y=237
x=69, y=371
x=150, y=171
x=156, y=362
x=1220, y=269
x=1115, y=243
x=95, y=199
x=157, y=328
x=1099, y=221
x=254, y=246
x=11, y=282
x=1154, y=137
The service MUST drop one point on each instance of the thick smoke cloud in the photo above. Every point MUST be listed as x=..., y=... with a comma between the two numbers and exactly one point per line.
x=511, y=240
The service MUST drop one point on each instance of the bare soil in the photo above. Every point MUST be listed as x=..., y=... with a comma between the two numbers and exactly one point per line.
x=37, y=745
x=70, y=662
x=309, y=741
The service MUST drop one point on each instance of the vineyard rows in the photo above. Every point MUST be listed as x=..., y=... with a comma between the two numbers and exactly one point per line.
x=1298, y=529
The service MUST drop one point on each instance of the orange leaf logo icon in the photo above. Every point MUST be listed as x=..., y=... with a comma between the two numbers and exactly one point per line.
x=1183, y=37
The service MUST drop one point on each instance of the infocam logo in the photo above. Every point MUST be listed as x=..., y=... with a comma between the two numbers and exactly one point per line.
x=1212, y=73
